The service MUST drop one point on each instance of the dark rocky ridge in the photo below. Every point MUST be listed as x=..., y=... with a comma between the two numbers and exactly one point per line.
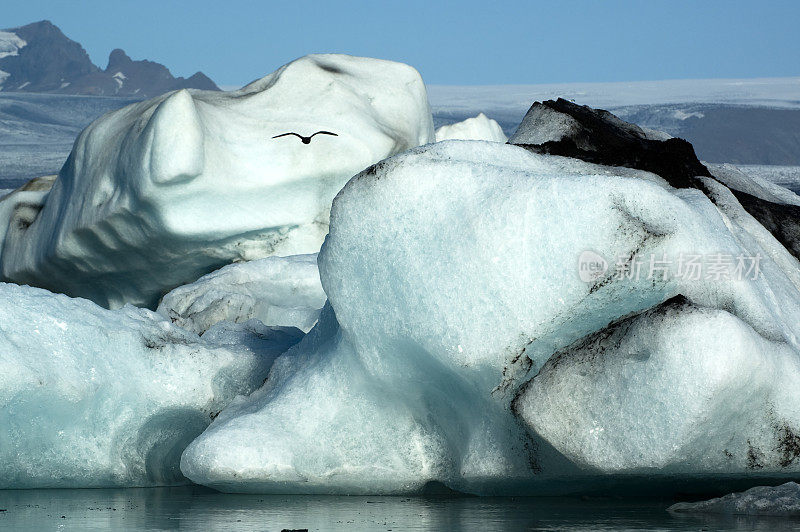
x=51, y=62
x=597, y=136
x=741, y=134
x=560, y=127
x=783, y=221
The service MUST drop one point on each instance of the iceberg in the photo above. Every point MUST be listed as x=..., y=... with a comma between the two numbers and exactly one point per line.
x=161, y=192
x=277, y=291
x=783, y=500
x=97, y=398
x=484, y=330
x=480, y=127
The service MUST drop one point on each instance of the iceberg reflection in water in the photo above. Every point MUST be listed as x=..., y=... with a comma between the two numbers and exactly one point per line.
x=197, y=508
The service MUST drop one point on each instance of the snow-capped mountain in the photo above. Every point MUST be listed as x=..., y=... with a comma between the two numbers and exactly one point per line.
x=40, y=58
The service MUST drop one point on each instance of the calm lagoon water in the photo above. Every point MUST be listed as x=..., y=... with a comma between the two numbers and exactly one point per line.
x=196, y=508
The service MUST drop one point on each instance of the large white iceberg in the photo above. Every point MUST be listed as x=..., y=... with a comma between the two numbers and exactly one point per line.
x=456, y=271
x=277, y=291
x=96, y=398
x=480, y=127
x=158, y=193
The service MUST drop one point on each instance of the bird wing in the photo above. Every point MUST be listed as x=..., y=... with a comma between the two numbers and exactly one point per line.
x=324, y=133
x=287, y=134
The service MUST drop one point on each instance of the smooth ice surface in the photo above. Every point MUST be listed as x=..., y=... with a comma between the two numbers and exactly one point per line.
x=480, y=127
x=91, y=397
x=161, y=192
x=453, y=277
x=277, y=291
x=783, y=500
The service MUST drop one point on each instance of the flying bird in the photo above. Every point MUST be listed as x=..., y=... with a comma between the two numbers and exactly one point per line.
x=306, y=140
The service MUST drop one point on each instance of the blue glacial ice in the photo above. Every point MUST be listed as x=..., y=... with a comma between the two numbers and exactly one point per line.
x=96, y=398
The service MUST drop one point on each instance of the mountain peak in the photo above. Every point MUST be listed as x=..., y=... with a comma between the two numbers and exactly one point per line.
x=199, y=80
x=118, y=58
x=40, y=58
x=41, y=29
x=42, y=25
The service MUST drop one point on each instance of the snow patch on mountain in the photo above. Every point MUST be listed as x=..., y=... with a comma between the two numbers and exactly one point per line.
x=119, y=77
x=10, y=44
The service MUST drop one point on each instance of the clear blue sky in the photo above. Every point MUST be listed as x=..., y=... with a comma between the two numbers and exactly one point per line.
x=469, y=42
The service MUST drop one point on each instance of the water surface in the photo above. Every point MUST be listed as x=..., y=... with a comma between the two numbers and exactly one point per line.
x=197, y=508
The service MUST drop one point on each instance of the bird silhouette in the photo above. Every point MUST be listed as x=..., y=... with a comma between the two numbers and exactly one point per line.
x=306, y=140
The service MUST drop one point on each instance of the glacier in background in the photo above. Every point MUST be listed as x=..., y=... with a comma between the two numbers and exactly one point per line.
x=37, y=130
